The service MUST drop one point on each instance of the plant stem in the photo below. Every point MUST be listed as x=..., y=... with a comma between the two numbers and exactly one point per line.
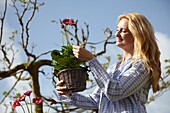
x=30, y=103
x=63, y=40
x=67, y=40
x=27, y=106
x=48, y=110
x=22, y=108
x=66, y=35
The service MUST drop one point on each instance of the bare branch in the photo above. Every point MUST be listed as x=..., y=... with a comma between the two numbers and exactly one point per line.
x=11, y=88
x=84, y=41
x=96, y=43
x=10, y=72
x=75, y=32
x=5, y=54
x=2, y=21
x=83, y=38
x=43, y=54
x=29, y=20
x=5, y=50
x=108, y=34
x=20, y=19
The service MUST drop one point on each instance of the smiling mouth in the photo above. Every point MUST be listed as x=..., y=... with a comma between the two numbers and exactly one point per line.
x=120, y=40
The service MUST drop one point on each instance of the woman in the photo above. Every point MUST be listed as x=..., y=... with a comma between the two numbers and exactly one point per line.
x=124, y=87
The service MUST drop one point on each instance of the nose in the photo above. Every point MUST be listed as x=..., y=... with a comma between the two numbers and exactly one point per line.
x=117, y=34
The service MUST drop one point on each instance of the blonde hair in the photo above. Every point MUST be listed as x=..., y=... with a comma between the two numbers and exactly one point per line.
x=145, y=45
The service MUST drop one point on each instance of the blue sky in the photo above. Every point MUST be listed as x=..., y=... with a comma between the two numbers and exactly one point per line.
x=99, y=14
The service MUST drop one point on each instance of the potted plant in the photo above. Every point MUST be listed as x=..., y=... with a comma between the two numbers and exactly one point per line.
x=66, y=66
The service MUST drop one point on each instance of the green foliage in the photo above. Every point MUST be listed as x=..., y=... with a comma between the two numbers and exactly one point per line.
x=167, y=68
x=5, y=93
x=17, y=95
x=119, y=57
x=152, y=98
x=65, y=59
x=13, y=34
x=106, y=64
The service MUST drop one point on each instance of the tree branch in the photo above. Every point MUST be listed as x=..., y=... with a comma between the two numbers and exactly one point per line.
x=2, y=21
x=11, y=89
x=108, y=34
x=10, y=72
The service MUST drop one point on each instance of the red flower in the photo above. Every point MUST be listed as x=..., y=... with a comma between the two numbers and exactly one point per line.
x=15, y=104
x=22, y=98
x=28, y=93
x=52, y=101
x=69, y=22
x=37, y=100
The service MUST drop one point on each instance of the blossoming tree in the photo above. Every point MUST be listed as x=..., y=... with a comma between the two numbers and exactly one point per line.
x=33, y=62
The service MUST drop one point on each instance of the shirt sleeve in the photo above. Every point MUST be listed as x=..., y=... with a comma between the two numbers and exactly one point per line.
x=83, y=101
x=129, y=82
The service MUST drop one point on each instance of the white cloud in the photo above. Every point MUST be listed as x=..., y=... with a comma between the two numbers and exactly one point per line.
x=7, y=32
x=9, y=82
x=164, y=45
x=2, y=3
x=161, y=105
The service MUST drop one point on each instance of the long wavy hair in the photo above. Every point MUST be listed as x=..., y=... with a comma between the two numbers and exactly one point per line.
x=145, y=45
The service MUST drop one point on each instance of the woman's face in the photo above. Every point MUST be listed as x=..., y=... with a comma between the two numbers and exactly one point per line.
x=124, y=38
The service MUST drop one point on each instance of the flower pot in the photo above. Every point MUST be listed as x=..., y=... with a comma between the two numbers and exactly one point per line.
x=74, y=78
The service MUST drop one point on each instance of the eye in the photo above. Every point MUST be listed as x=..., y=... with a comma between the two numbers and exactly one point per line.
x=119, y=30
x=124, y=31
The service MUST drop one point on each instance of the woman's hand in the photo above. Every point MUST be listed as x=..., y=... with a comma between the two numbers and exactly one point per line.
x=62, y=90
x=82, y=53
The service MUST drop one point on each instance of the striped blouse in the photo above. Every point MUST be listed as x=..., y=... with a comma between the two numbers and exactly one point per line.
x=120, y=89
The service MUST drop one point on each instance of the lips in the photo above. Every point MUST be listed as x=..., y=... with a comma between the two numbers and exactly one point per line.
x=119, y=40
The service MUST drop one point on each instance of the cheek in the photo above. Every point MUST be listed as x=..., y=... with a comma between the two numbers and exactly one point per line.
x=129, y=38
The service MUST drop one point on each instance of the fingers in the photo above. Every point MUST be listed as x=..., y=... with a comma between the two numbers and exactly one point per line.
x=76, y=51
x=67, y=93
x=62, y=90
x=59, y=86
x=76, y=47
x=82, y=53
x=59, y=83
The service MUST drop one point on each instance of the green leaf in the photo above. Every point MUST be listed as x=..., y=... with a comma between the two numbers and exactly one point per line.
x=65, y=59
x=5, y=93
x=55, y=53
x=18, y=95
x=152, y=98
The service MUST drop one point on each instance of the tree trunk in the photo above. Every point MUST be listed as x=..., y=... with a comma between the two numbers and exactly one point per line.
x=36, y=87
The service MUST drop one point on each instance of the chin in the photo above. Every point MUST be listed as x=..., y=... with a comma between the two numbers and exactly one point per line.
x=119, y=43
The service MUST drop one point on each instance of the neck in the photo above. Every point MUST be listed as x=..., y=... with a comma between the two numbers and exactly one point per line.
x=126, y=56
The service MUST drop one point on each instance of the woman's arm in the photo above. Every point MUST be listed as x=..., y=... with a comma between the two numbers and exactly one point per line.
x=83, y=101
x=129, y=83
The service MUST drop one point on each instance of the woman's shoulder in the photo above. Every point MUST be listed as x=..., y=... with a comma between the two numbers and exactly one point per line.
x=139, y=64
